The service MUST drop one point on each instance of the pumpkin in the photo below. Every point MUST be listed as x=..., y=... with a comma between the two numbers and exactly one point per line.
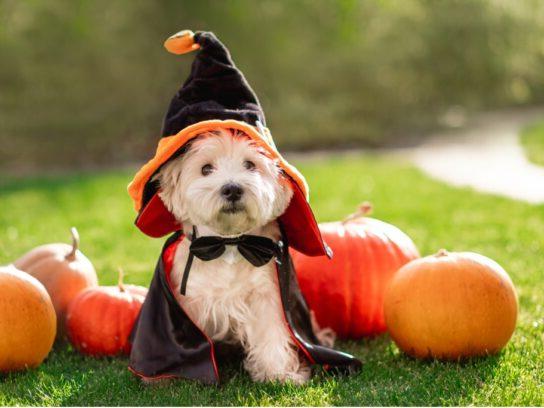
x=27, y=320
x=63, y=270
x=100, y=319
x=450, y=306
x=346, y=293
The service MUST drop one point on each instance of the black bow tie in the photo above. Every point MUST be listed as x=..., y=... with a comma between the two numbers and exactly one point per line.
x=255, y=249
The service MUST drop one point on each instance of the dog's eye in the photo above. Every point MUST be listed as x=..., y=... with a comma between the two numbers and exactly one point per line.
x=206, y=169
x=248, y=164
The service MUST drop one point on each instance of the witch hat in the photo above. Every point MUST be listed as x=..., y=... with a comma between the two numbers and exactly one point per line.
x=216, y=95
x=216, y=89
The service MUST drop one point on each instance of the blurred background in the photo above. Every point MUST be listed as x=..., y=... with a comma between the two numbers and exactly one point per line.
x=433, y=110
x=84, y=84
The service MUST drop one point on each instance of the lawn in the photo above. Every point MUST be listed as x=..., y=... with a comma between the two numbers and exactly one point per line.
x=532, y=139
x=42, y=210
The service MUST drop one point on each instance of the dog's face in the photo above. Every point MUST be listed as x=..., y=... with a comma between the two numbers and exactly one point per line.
x=225, y=182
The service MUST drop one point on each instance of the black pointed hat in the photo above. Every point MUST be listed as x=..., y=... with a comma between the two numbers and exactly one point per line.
x=216, y=95
x=215, y=89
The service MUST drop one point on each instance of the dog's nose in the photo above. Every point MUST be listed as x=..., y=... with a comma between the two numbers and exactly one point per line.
x=232, y=192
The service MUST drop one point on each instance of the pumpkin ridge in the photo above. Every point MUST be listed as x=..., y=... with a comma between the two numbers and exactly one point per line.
x=112, y=325
x=350, y=271
x=397, y=259
x=95, y=308
x=376, y=248
x=40, y=263
x=373, y=249
x=348, y=289
x=38, y=253
x=125, y=312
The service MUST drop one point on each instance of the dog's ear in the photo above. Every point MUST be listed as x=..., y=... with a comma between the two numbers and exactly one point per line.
x=154, y=185
x=156, y=177
x=167, y=180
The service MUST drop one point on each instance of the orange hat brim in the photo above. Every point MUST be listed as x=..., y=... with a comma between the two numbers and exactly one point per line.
x=169, y=145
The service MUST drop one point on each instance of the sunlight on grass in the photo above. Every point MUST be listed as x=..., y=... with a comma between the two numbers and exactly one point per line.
x=434, y=215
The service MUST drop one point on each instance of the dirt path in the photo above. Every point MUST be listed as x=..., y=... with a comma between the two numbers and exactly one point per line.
x=486, y=156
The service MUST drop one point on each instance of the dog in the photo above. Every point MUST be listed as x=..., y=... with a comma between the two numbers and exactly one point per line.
x=226, y=185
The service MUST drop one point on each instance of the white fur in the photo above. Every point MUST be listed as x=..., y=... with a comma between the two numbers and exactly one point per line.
x=228, y=298
x=196, y=198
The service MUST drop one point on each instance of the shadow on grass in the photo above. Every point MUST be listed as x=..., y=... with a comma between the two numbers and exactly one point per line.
x=388, y=378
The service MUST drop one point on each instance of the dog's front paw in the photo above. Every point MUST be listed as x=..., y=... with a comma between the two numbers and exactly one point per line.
x=299, y=377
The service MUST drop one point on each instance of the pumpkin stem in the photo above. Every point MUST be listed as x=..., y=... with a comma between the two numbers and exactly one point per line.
x=442, y=252
x=120, y=275
x=75, y=244
x=363, y=210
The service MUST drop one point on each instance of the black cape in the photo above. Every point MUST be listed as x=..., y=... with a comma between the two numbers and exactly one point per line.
x=166, y=343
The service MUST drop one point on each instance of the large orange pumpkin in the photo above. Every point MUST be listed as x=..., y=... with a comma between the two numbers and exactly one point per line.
x=451, y=305
x=63, y=270
x=27, y=320
x=346, y=293
x=100, y=319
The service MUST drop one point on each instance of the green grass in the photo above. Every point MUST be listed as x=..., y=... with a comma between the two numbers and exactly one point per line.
x=434, y=215
x=532, y=139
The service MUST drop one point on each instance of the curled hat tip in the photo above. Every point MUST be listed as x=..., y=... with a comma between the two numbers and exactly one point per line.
x=181, y=43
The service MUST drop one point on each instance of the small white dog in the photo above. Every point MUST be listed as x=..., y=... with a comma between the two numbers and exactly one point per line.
x=225, y=185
